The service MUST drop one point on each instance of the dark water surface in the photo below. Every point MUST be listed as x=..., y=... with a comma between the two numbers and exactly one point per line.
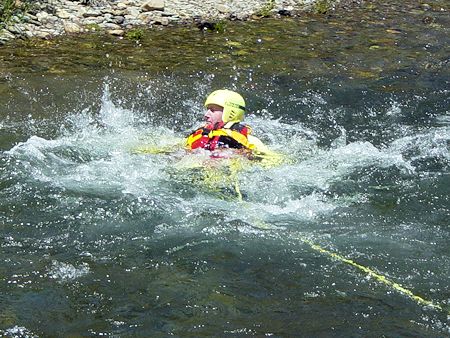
x=99, y=241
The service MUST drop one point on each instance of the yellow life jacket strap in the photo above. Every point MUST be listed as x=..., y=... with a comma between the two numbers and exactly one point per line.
x=235, y=135
x=192, y=138
x=228, y=125
x=225, y=131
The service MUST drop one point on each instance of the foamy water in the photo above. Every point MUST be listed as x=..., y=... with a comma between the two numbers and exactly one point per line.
x=92, y=216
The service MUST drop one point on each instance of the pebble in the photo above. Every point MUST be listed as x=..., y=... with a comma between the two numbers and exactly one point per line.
x=117, y=32
x=110, y=26
x=58, y=17
x=222, y=8
x=62, y=14
x=153, y=5
x=162, y=21
x=72, y=28
x=6, y=35
x=42, y=16
x=118, y=19
x=91, y=13
x=42, y=34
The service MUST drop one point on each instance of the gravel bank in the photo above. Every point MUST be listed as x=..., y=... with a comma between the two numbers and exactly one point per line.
x=48, y=18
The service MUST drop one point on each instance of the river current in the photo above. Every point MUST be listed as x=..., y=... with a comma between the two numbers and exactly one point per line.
x=349, y=236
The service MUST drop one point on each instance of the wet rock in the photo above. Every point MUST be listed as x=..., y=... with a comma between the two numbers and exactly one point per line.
x=118, y=19
x=35, y=23
x=110, y=26
x=72, y=28
x=121, y=6
x=6, y=35
x=92, y=13
x=43, y=35
x=174, y=19
x=118, y=12
x=146, y=17
x=107, y=10
x=428, y=20
x=223, y=9
x=133, y=11
x=153, y=5
x=62, y=14
x=116, y=32
x=162, y=21
x=16, y=19
x=80, y=11
x=92, y=21
x=29, y=34
x=29, y=17
x=130, y=22
x=16, y=29
x=205, y=25
x=42, y=16
x=284, y=12
x=394, y=31
x=241, y=16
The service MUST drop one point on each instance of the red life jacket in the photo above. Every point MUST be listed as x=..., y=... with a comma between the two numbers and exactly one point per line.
x=230, y=135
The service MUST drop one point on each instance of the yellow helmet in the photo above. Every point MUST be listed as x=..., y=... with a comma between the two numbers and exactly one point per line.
x=233, y=104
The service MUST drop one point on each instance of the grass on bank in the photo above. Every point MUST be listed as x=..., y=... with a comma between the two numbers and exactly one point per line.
x=11, y=8
x=266, y=10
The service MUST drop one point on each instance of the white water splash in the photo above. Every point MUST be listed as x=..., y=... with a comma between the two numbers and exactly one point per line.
x=64, y=272
x=434, y=143
x=95, y=156
x=306, y=208
x=18, y=332
x=112, y=116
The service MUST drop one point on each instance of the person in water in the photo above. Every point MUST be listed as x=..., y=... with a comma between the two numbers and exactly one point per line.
x=224, y=128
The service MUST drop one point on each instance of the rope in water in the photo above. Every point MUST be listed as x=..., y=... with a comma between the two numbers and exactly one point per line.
x=377, y=276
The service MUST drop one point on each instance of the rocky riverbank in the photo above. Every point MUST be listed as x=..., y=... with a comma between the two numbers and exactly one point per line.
x=48, y=18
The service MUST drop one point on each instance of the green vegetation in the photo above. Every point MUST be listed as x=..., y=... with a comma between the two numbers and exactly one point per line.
x=266, y=9
x=219, y=27
x=93, y=27
x=135, y=34
x=7, y=9
x=322, y=6
x=10, y=8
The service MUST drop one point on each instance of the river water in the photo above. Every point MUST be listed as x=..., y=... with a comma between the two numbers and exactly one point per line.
x=349, y=236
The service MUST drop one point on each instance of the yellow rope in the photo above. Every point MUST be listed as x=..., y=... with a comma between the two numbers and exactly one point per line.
x=234, y=169
x=377, y=276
